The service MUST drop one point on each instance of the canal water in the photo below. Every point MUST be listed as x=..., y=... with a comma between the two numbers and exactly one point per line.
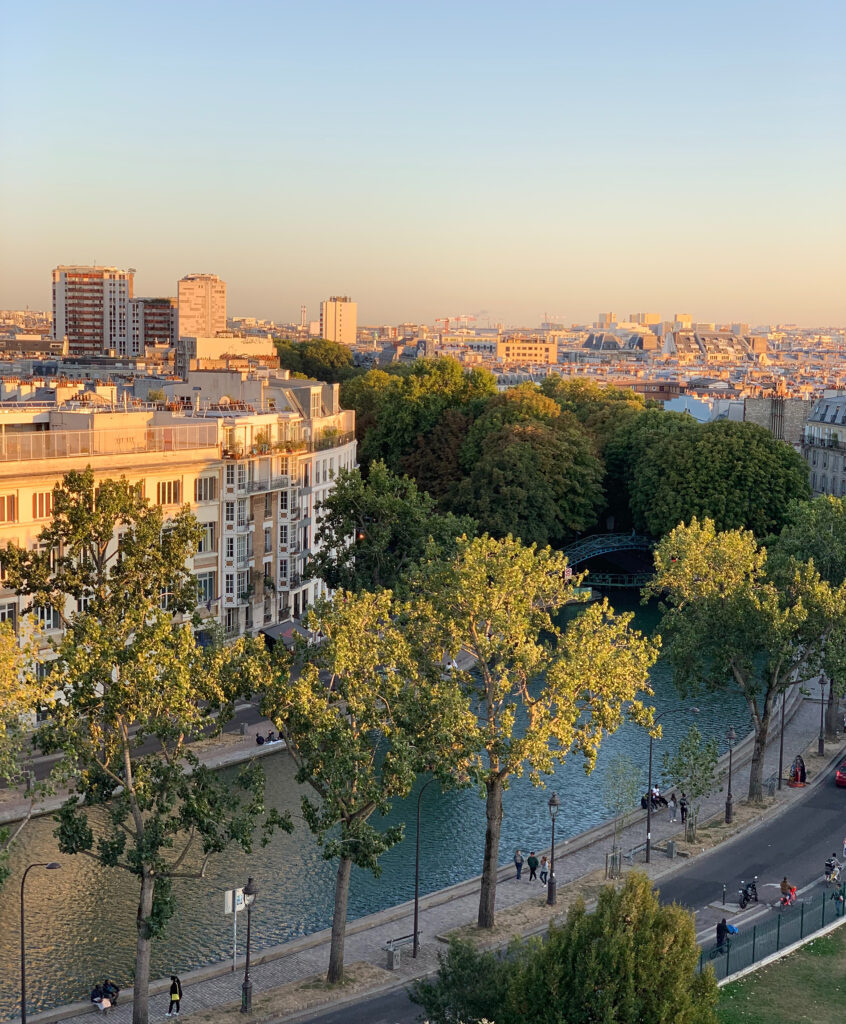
x=80, y=920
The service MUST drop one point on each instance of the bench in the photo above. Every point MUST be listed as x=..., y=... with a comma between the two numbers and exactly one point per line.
x=634, y=851
x=393, y=947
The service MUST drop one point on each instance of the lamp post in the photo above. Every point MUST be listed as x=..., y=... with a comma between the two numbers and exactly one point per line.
x=781, y=740
x=50, y=867
x=731, y=736
x=655, y=720
x=416, y=943
x=821, y=740
x=250, y=892
x=554, y=808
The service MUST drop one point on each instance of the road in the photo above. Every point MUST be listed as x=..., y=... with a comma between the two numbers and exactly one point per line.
x=795, y=844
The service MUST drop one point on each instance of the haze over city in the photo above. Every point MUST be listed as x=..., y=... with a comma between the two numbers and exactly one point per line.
x=430, y=160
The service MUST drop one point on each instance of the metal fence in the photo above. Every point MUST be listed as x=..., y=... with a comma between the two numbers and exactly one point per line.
x=67, y=444
x=784, y=927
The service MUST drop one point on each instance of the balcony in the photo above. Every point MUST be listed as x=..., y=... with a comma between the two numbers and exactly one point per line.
x=245, y=525
x=130, y=440
x=277, y=483
x=824, y=442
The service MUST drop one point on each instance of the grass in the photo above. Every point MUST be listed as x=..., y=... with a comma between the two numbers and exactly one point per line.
x=809, y=985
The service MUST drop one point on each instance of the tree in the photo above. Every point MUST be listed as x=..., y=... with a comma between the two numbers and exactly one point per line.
x=435, y=461
x=362, y=713
x=813, y=530
x=595, y=967
x=693, y=770
x=726, y=623
x=496, y=599
x=622, y=791
x=22, y=693
x=736, y=474
x=318, y=359
x=538, y=482
x=601, y=408
x=371, y=531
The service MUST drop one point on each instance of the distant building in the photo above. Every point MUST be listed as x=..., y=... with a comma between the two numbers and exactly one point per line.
x=606, y=320
x=526, y=351
x=90, y=308
x=193, y=353
x=151, y=321
x=647, y=319
x=201, y=306
x=338, y=319
x=824, y=444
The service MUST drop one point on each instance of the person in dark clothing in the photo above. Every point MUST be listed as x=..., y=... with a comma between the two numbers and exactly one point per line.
x=518, y=863
x=722, y=933
x=111, y=991
x=175, y=996
x=533, y=867
x=683, y=805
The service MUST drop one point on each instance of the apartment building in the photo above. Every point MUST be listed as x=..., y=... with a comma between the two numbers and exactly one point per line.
x=252, y=479
x=90, y=308
x=152, y=321
x=824, y=444
x=526, y=351
x=339, y=319
x=201, y=300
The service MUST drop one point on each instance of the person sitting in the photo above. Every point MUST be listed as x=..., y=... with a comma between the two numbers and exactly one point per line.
x=111, y=991
x=96, y=994
x=643, y=801
x=99, y=998
x=271, y=737
x=259, y=739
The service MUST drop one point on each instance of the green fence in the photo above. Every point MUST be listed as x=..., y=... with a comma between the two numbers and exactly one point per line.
x=783, y=927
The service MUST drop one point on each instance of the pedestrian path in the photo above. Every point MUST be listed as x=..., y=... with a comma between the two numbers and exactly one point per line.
x=445, y=911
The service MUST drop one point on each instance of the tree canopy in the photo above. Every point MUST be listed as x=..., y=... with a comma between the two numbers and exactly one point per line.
x=372, y=531
x=317, y=358
x=570, y=685
x=631, y=960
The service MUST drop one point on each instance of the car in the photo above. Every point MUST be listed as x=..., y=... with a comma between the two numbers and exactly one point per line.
x=840, y=774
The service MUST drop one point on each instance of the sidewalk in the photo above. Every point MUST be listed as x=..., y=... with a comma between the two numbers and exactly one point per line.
x=452, y=908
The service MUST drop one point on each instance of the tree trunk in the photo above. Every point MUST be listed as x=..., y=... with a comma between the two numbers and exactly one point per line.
x=339, y=922
x=832, y=714
x=493, y=812
x=759, y=748
x=141, y=985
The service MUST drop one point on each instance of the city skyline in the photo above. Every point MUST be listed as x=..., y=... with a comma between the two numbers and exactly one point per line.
x=435, y=162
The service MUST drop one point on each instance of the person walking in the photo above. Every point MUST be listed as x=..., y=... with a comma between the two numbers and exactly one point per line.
x=683, y=808
x=175, y=996
x=533, y=867
x=518, y=863
x=671, y=806
x=544, y=870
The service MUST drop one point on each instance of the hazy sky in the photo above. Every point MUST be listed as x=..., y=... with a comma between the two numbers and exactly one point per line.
x=436, y=158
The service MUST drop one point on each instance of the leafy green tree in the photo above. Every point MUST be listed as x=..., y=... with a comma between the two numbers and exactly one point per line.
x=736, y=474
x=621, y=789
x=371, y=531
x=631, y=960
x=693, y=770
x=601, y=408
x=435, y=461
x=813, y=530
x=318, y=359
x=569, y=686
x=521, y=405
x=538, y=482
x=727, y=624
x=362, y=713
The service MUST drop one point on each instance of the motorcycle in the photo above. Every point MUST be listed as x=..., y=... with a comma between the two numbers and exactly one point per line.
x=747, y=893
x=788, y=898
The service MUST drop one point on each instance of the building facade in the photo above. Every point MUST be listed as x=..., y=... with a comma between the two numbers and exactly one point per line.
x=824, y=444
x=339, y=319
x=253, y=480
x=201, y=300
x=90, y=308
x=152, y=321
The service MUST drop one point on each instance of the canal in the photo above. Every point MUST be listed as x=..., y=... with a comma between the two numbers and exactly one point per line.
x=80, y=920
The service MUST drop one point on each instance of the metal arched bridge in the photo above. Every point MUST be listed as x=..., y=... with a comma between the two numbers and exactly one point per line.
x=606, y=544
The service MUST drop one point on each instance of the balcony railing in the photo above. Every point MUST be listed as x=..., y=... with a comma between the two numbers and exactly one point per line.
x=277, y=483
x=824, y=442
x=69, y=444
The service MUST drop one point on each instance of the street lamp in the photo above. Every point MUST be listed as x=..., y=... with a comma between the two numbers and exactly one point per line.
x=781, y=739
x=416, y=943
x=50, y=867
x=655, y=720
x=821, y=741
x=554, y=808
x=731, y=736
x=250, y=892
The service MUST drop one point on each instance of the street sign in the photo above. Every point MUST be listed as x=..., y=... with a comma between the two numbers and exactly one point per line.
x=234, y=899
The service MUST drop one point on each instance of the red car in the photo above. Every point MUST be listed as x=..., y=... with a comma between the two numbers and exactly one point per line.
x=840, y=774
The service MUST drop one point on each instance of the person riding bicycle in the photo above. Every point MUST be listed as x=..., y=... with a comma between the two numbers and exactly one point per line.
x=832, y=868
x=785, y=886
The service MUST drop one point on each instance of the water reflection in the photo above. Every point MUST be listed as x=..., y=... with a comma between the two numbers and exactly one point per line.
x=80, y=920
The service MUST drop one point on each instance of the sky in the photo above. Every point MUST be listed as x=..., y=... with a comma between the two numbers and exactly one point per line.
x=507, y=160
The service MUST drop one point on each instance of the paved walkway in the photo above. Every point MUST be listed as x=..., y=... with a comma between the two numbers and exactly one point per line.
x=450, y=909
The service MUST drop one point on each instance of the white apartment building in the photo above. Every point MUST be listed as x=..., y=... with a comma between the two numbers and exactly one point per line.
x=253, y=479
x=824, y=444
x=339, y=319
x=90, y=308
x=201, y=306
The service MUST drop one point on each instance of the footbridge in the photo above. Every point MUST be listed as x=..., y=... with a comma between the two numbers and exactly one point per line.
x=606, y=544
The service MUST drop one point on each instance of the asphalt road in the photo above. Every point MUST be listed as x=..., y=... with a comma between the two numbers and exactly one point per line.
x=795, y=844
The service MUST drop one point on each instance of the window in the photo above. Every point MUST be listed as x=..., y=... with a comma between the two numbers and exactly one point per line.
x=83, y=604
x=244, y=551
x=230, y=474
x=229, y=584
x=168, y=492
x=230, y=622
x=208, y=541
x=8, y=508
x=283, y=501
x=283, y=534
x=283, y=568
x=315, y=404
x=267, y=539
x=42, y=505
x=206, y=587
x=268, y=505
x=47, y=616
x=230, y=547
x=205, y=488
x=229, y=511
x=283, y=466
x=243, y=586
x=8, y=613
x=242, y=475
x=248, y=617
x=242, y=512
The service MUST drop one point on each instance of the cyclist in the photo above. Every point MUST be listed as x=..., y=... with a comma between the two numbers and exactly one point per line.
x=785, y=886
x=832, y=869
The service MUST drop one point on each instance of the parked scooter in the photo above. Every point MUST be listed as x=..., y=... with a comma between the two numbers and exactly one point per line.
x=747, y=893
